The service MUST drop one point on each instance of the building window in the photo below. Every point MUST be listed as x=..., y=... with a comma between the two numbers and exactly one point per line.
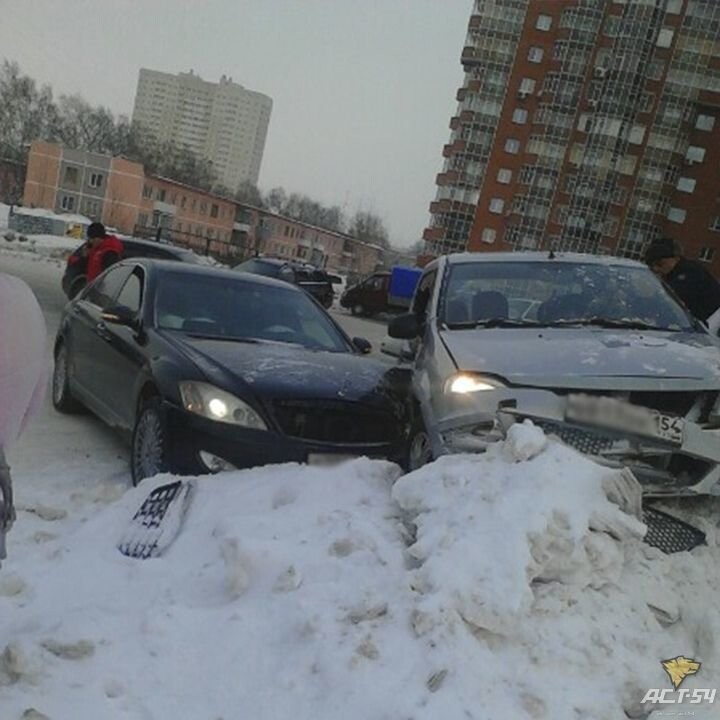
x=665, y=38
x=214, y=210
x=536, y=54
x=287, y=231
x=183, y=201
x=527, y=86
x=705, y=122
x=497, y=205
x=715, y=223
x=71, y=175
x=637, y=134
x=504, y=176
x=543, y=22
x=160, y=195
x=147, y=192
x=203, y=208
x=96, y=180
x=67, y=203
x=707, y=254
x=512, y=146
x=677, y=215
x=519, y=116
x=142, y=220
x=674, y=7
x=488, y=236
x=686, y=184
x=695, y=154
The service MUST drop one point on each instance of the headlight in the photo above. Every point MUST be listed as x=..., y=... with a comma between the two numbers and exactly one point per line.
x=215, y=404
x=464, y=383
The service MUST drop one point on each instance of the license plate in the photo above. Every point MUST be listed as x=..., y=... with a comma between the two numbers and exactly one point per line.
x=328, y=459
x=617, y=415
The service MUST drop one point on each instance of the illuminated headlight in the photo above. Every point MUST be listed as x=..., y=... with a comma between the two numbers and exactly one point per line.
x=215, y=404
x=465, y=383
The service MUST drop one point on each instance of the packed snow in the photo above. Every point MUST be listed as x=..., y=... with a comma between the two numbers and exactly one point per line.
x=504, y=585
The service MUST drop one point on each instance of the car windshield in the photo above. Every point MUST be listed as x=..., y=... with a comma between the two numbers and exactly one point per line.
x=555, y=293
x=220, y=307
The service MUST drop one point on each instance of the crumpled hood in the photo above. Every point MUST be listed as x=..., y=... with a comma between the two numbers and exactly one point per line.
x=588, y=358
x=280, y=370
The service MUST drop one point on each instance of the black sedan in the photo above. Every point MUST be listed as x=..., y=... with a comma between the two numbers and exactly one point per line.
x=209, y=369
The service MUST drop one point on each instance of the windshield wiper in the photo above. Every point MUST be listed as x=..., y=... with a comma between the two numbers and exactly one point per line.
x=226, y=338
x=603, y=322
x=494, y=323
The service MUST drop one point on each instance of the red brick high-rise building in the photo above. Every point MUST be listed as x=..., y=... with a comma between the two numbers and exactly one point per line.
x=587, y=125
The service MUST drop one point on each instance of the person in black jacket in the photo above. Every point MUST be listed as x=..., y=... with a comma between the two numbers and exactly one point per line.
x=692, y=282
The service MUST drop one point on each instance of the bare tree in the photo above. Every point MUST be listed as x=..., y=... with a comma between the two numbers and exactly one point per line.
x=368, y=227
x=249, y=194
x=27, y=113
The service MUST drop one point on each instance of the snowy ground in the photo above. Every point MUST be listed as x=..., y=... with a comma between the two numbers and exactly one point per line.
x=479, y=587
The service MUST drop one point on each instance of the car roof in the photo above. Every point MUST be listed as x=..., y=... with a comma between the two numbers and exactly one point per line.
x=154, y=244
x=167, y=267
x=526, y=256
x=267, y=261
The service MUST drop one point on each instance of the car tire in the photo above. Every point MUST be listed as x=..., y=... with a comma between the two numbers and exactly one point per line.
x=419, y=450
x=62, y=397
x=357, y=309
x=149, y=452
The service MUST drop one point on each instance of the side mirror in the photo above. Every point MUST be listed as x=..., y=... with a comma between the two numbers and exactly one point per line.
x=120, y=315
x=363, y=345
x=396, y=348
x=404, y=327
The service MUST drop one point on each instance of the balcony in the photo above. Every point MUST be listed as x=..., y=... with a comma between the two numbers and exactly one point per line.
x=454, y=148
x=447, y=178
x=433, y=234
x=470, y=56
x=461, y=94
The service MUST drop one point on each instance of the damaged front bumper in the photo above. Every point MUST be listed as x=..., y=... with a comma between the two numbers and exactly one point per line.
x=689, y=466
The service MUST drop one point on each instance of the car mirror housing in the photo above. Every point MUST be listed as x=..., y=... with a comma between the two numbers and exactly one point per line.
x=363, y=345
x=404, y=327
x=120, y=315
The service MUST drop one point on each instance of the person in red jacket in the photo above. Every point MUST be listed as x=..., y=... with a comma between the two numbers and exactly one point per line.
x=102, y=251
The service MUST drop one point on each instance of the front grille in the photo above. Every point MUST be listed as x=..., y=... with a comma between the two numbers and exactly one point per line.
x=335, y=422
x=669, y=534
x=588, y=443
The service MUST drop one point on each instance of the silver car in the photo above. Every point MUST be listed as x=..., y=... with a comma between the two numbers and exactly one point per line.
x=595, y=350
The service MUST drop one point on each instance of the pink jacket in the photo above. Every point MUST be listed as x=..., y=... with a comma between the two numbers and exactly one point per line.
x=24, y=365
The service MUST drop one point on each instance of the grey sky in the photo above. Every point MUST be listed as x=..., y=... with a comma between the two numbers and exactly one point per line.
x=362, y=91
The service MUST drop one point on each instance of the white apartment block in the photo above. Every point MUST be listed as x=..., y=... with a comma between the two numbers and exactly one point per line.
x=222, y=122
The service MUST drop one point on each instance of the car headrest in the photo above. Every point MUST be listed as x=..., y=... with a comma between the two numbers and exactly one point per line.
x=490, y=305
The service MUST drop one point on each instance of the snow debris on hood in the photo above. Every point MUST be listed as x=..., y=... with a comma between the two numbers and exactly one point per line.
x=482, y=586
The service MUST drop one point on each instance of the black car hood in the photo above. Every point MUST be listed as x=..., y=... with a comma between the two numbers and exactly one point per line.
x=280, y=370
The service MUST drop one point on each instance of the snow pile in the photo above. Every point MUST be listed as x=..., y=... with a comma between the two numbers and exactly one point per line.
x=479, y=587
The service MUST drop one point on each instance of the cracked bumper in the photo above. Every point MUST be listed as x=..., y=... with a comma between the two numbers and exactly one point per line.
x=664, y=469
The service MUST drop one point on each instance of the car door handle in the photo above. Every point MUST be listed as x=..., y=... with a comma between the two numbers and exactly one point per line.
x=103, y=331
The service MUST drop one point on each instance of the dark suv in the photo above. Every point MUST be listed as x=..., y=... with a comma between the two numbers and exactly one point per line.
x=309, y=278
x=74, y=279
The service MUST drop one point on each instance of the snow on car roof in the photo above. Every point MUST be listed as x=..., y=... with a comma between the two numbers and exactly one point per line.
x=586, y=258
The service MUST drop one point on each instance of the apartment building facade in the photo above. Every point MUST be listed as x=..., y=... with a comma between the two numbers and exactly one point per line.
x=222, y=122
x=587, y=126
x=117, y=192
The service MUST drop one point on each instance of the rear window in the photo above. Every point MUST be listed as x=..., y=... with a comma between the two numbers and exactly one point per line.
x=257, y=267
